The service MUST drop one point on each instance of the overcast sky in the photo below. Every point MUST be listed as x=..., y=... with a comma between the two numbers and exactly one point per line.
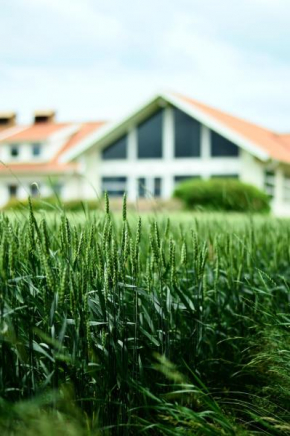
x=93, y=59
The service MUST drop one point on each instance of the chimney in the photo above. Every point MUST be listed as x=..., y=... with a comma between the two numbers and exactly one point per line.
x=46, y=116
x=7, y=119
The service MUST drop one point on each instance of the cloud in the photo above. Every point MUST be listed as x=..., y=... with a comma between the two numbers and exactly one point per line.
x=94, y=59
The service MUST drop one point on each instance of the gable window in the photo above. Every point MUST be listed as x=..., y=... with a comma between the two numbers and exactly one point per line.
x=12, y=190
x=222, y=147
x=36, y=149
x=187, y=135
x=114, y=186
x=117, y=150
x=14, y=150
x=150, y=137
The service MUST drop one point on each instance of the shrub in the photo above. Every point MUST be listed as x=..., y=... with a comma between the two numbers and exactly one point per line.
x=80, y=205
x=222, y=194
x=52, y=203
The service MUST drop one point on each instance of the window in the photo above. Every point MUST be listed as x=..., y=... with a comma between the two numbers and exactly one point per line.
x=36, y=149
x=286, y=188
x=57, y=189
x=157, y=186
x=14, y=150
x=269, y=183
x=187, y=135
x=150, y=137
x=141, y=187
x=34, y=189
x=115, y=186
x=117, y=150
x=12, y=190
x=225, y=176
x=179, y=179
x=222, y=147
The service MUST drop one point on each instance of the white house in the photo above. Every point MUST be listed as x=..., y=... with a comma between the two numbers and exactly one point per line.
x=166, y=140
x=30, y=157
x=171, y=138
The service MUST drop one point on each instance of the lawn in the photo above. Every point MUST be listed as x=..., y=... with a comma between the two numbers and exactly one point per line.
x=111, y=324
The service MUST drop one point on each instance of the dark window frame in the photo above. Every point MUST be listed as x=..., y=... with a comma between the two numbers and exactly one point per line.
x=187, y=135
x=221, y=147
x=146, y=145
x=120, y=146
x=36, y=146
x=14, y=150
x=142, y=190
x=157, y=183
x=13, y=190
x=181, y=178
x=111, y=179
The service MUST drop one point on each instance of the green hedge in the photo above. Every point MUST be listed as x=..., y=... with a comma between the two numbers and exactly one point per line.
x=222, y=194
x=52, y=204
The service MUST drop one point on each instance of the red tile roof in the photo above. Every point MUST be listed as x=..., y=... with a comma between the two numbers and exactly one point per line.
x=85, y=130
x=277, y=146
x=35, y=132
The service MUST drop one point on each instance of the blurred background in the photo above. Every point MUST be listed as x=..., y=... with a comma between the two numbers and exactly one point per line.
x=97, y=60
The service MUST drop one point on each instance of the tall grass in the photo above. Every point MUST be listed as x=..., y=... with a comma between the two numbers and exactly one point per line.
x=111, y=326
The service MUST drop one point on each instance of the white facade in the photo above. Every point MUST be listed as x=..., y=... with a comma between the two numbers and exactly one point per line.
x=246, y=166
x=92, y=172
x=29, y=172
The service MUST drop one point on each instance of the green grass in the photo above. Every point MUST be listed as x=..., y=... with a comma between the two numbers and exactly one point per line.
x=113, y=325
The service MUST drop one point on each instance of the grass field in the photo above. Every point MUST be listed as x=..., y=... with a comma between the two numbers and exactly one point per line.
x=117, y=325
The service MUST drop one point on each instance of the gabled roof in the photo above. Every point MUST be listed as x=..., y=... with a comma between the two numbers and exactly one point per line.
x=259, y=141
x=277, y=146
x=34, y=132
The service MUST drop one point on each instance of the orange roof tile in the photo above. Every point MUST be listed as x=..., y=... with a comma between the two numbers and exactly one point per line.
x=85, y=130
x=35, y=132
x=277, y=146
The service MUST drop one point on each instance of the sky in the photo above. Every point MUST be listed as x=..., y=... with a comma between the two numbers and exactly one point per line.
x=98, y=60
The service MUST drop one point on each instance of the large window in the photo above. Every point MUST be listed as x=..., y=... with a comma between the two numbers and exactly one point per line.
x=114, y=186
x=222, y=147
x=187, y=135
x=150, y=137
x=117, y=150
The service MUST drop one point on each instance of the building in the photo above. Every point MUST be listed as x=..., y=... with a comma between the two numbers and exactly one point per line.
x=30, y=157
x=171, y=138
x=166, y=140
